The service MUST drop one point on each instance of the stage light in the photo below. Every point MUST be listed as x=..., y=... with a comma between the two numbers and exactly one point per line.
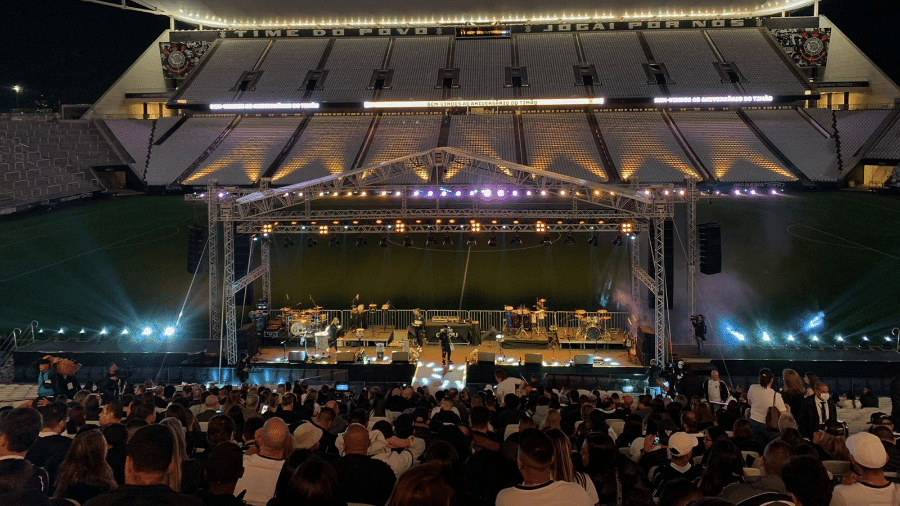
x=430, y=240
x=82, y=331
x=61, y=331
x=169, y=331
x=334, y=242
x=430, y=193
x=407, y=241
x=543, y=193
x=147, y=331
x=397, y=193
x=738, y=335
x=528, y=193
x=594, y=240
x=516, y=240
x=103, y=332
x=681, y=193
x=816, y=321
x=753, y=191
x=443, y=193
x=447, y=241
x=790, y=338
x=570, y=238
x=501, y=193
x=311, y=242
x=40, y=331
x=458, y=193
x=618, y=240
x=125, y=332
x=492, y=242
x=766, y=337
x=773, y=192
x=546, y=241
x=840, y=339
x=384, y=241
x=471, y=241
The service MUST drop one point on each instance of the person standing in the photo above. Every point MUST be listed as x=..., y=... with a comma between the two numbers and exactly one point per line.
x=816, y=410
x=444, y=337
x=45, y=380
x=761, y=397
x=715, y=390
x=699, y=324
x=243, y=368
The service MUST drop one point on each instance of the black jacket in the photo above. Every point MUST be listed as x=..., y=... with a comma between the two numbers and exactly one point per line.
x=723, y=390
x=809, y=415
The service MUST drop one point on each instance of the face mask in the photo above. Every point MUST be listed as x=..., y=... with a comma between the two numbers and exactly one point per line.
x=824, y=396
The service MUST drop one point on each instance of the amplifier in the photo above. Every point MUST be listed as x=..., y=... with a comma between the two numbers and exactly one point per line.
x=534, y=358
x=485, y=357
x=343, y=357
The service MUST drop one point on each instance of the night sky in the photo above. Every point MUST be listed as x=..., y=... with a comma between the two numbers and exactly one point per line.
x=70, y=51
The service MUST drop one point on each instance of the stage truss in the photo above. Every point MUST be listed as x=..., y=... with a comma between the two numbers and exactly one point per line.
x=576, y=205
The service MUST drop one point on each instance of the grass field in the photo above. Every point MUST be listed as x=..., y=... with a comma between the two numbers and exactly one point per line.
x=122, y=262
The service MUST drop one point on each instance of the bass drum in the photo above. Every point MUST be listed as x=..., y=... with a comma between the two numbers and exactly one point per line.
x=592, y=333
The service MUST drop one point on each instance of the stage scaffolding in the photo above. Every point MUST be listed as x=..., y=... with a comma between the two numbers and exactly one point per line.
x=386, y=192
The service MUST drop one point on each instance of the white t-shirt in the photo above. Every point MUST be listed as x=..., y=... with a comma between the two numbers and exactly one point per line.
x=712, y=391
x=507, y=386
x=863, y=494
x=552, y=493
x=761, y=400
x=260, y=475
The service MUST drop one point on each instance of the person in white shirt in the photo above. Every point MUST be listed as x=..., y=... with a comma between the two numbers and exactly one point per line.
x=262, y=469
x=868, y=486
x=535, y=460
x=761, y=397
x=506, y=385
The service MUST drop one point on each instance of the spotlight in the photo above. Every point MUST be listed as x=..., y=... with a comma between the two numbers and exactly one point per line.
x=864, y=343
x=103, y=332
x=594, y=240
x=766, y=337
x=447, y=241
x=839, y=342
x=82, y=331
x=333, y=242
x=492, y=242
x=124, y=332
x=570, y=238
x=61, y=331
x=147, y=331
x=430, y=240
x=169, y=331
x=546, y=240
x=471, y=241
x=618, y=240
x=311, y=242
x=407, y=241
x=40, y=331
x=383, y=242
x=516, y=240
x=361, y=241
x=888, y=343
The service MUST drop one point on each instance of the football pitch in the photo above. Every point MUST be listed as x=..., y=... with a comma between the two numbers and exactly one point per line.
x=121, y=263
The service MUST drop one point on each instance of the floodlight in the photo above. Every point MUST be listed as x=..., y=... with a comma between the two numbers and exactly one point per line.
x=169, y=331
x=147, y=331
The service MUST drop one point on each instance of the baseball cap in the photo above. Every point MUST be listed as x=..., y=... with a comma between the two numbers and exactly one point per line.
x=306, y=435
x=867, y=450
x=879, y=418
x=681, y=444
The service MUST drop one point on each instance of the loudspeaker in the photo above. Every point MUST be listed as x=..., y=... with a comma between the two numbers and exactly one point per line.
x=709, y=235
x=297, y=356
x=344, y=357
x=248, y=339
x=584, y=359
x=399, y=357
x=196, y=245
x=647, y=338
x=486, y=357
x=534, y=358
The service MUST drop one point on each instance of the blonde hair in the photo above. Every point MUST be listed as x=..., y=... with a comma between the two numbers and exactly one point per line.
x=793, y=383
x=553, y=420
x=179, y=453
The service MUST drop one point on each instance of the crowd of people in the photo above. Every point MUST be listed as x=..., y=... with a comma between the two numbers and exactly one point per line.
x=513, y=443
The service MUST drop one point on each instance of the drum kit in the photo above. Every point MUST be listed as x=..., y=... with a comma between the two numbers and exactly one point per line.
x=593, y=326
x=522, y=320
x=304, y=322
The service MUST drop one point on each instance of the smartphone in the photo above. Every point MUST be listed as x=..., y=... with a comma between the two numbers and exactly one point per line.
x=342, y=387
x=264, y=409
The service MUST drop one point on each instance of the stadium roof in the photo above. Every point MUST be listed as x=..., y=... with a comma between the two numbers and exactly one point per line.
x=291, y=13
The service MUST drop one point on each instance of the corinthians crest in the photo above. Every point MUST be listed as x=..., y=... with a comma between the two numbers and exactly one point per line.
x=179, y=58
x=808, y=47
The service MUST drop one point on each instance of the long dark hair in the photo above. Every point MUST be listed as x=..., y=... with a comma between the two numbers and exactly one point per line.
x=765, y=377
x=602, y=453
x=725, y=466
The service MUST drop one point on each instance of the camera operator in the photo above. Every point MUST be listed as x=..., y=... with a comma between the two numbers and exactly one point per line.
x=699, y=324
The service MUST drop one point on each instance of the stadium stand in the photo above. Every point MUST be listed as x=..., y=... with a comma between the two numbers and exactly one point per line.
x=221, y=70
x=284, y=70
x=491, y=135
x=416, y=62
x=888, y=146
x=689, y=61
x=643, y=147
x=397, y=136
x=762, y=68
x=563, y=143
x=248, y=150
x=481, y=65
x=349, y=66
x=45, y=160
x=172, y=156
x=548, y=60
x=135, y=136
x=729, y=148
x=812, y=152
x=327, y=146
x=619, y=60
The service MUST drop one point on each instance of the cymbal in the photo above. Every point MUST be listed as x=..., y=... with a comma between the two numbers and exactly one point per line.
x=507, y=308
x=373, y=305
x=317, y=308
x=581, y=312
x=606, y=318
x=542, y=300
x=602, y=311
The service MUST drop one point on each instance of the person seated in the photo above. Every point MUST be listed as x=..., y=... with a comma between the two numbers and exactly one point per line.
x=225, y=466
x=261, y=470
x=50, y=448
x=85, y=473
x=806, y=479
x=535, y=458
x=867, y=486
x=681, y=447
x=148, y=464
x=363, y=478
x=889, y=441
x=19, y=430
x=210, y=409
x=768, y=486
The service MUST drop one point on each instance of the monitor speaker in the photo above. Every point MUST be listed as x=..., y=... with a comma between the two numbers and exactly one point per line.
x=584, y=360
x=296, y=356
x=486, y=357
x=344, y=357
x=400, y=357
x=534, y=358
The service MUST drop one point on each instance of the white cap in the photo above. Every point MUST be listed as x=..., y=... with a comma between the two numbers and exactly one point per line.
x=867, y=450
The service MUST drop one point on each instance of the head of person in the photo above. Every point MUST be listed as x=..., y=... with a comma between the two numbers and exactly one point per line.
x=867, y=453
x=599, y=452
x=562, y=468
x=885, y=434
x=306, y=437
x=19, y=430
x=806, y=479
x=356, y=440
x=85, y=462
x=54, y=416
x=500, y=375
x=793, y=384
x=766, y=378
x=714, y=375
x=220, y=429
x=148, y=455
x=810, y=379
x=822, y=392
x=44, y=364
x=315, y=482
x=224, y=467
x=535, y=454
x=681, y=447
x=423, y=486
x=113, y=412
x=679, y=492
x=742, y=429
x=724, y=464
x=775, y=456
x=274, y=438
